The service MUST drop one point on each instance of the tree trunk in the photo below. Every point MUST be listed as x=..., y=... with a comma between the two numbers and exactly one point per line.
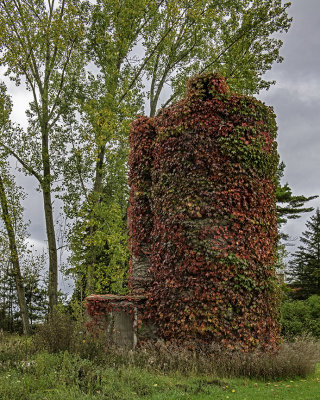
x=96, y=195
x=53, y=259
x=48, y=211
x=15, y=260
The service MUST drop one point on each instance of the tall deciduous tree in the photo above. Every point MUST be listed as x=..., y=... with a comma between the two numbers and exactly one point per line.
x=146, y=49
x=305, y=263
x=40, y=43
x=11, y=212
x=16, y=270
x=232, y=37
x=108, y=101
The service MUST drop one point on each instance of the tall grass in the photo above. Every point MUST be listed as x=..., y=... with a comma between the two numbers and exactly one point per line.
x=293, y=359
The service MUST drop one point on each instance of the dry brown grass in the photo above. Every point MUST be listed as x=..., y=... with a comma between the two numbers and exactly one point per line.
x=297, y=358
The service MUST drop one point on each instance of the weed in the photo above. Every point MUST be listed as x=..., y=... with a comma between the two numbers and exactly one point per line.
x=292, y=359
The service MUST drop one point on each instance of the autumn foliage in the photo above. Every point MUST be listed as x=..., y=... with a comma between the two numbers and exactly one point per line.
x=202, y=213
x=202, y=207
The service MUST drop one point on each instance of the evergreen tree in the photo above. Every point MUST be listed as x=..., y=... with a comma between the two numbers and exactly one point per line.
x=305, y=264
x=36, y=285
x=288, y=205
x=8, y=299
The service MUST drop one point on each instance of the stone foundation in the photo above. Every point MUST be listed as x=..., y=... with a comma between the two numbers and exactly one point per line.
x=117, y=317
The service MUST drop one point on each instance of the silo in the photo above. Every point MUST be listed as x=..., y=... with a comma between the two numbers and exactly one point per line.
x=203, y=217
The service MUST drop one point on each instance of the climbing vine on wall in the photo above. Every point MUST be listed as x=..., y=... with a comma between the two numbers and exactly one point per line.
x=141, y=140
x=202, y=177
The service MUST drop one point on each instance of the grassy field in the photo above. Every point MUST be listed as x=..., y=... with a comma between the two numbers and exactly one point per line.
x=26, y=374
x=58, y=377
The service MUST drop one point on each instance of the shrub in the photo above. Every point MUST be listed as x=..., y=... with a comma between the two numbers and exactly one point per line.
x=63, y=333
x=57, y=334
x=13, y=349
x=301, y=317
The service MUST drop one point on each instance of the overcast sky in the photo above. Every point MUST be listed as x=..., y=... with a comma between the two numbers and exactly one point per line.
x=296, y=101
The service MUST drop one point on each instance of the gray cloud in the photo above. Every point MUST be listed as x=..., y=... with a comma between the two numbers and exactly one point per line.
x=296, y=101
x=301, y=50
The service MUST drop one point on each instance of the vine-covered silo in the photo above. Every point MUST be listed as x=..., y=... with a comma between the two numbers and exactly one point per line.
x=202, y=222
x=203, y=217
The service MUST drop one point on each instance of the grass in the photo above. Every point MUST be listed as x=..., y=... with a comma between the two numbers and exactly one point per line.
x=52, y=377
x=30, y=374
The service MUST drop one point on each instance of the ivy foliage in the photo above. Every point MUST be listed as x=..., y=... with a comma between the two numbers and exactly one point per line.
x=203, y=177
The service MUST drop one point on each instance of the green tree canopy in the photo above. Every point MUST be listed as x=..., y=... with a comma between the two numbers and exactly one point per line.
x=144, y=51
x=90, y=67
x=40, y=44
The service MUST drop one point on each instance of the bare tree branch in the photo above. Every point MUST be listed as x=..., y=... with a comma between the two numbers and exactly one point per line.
x=23, y=163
